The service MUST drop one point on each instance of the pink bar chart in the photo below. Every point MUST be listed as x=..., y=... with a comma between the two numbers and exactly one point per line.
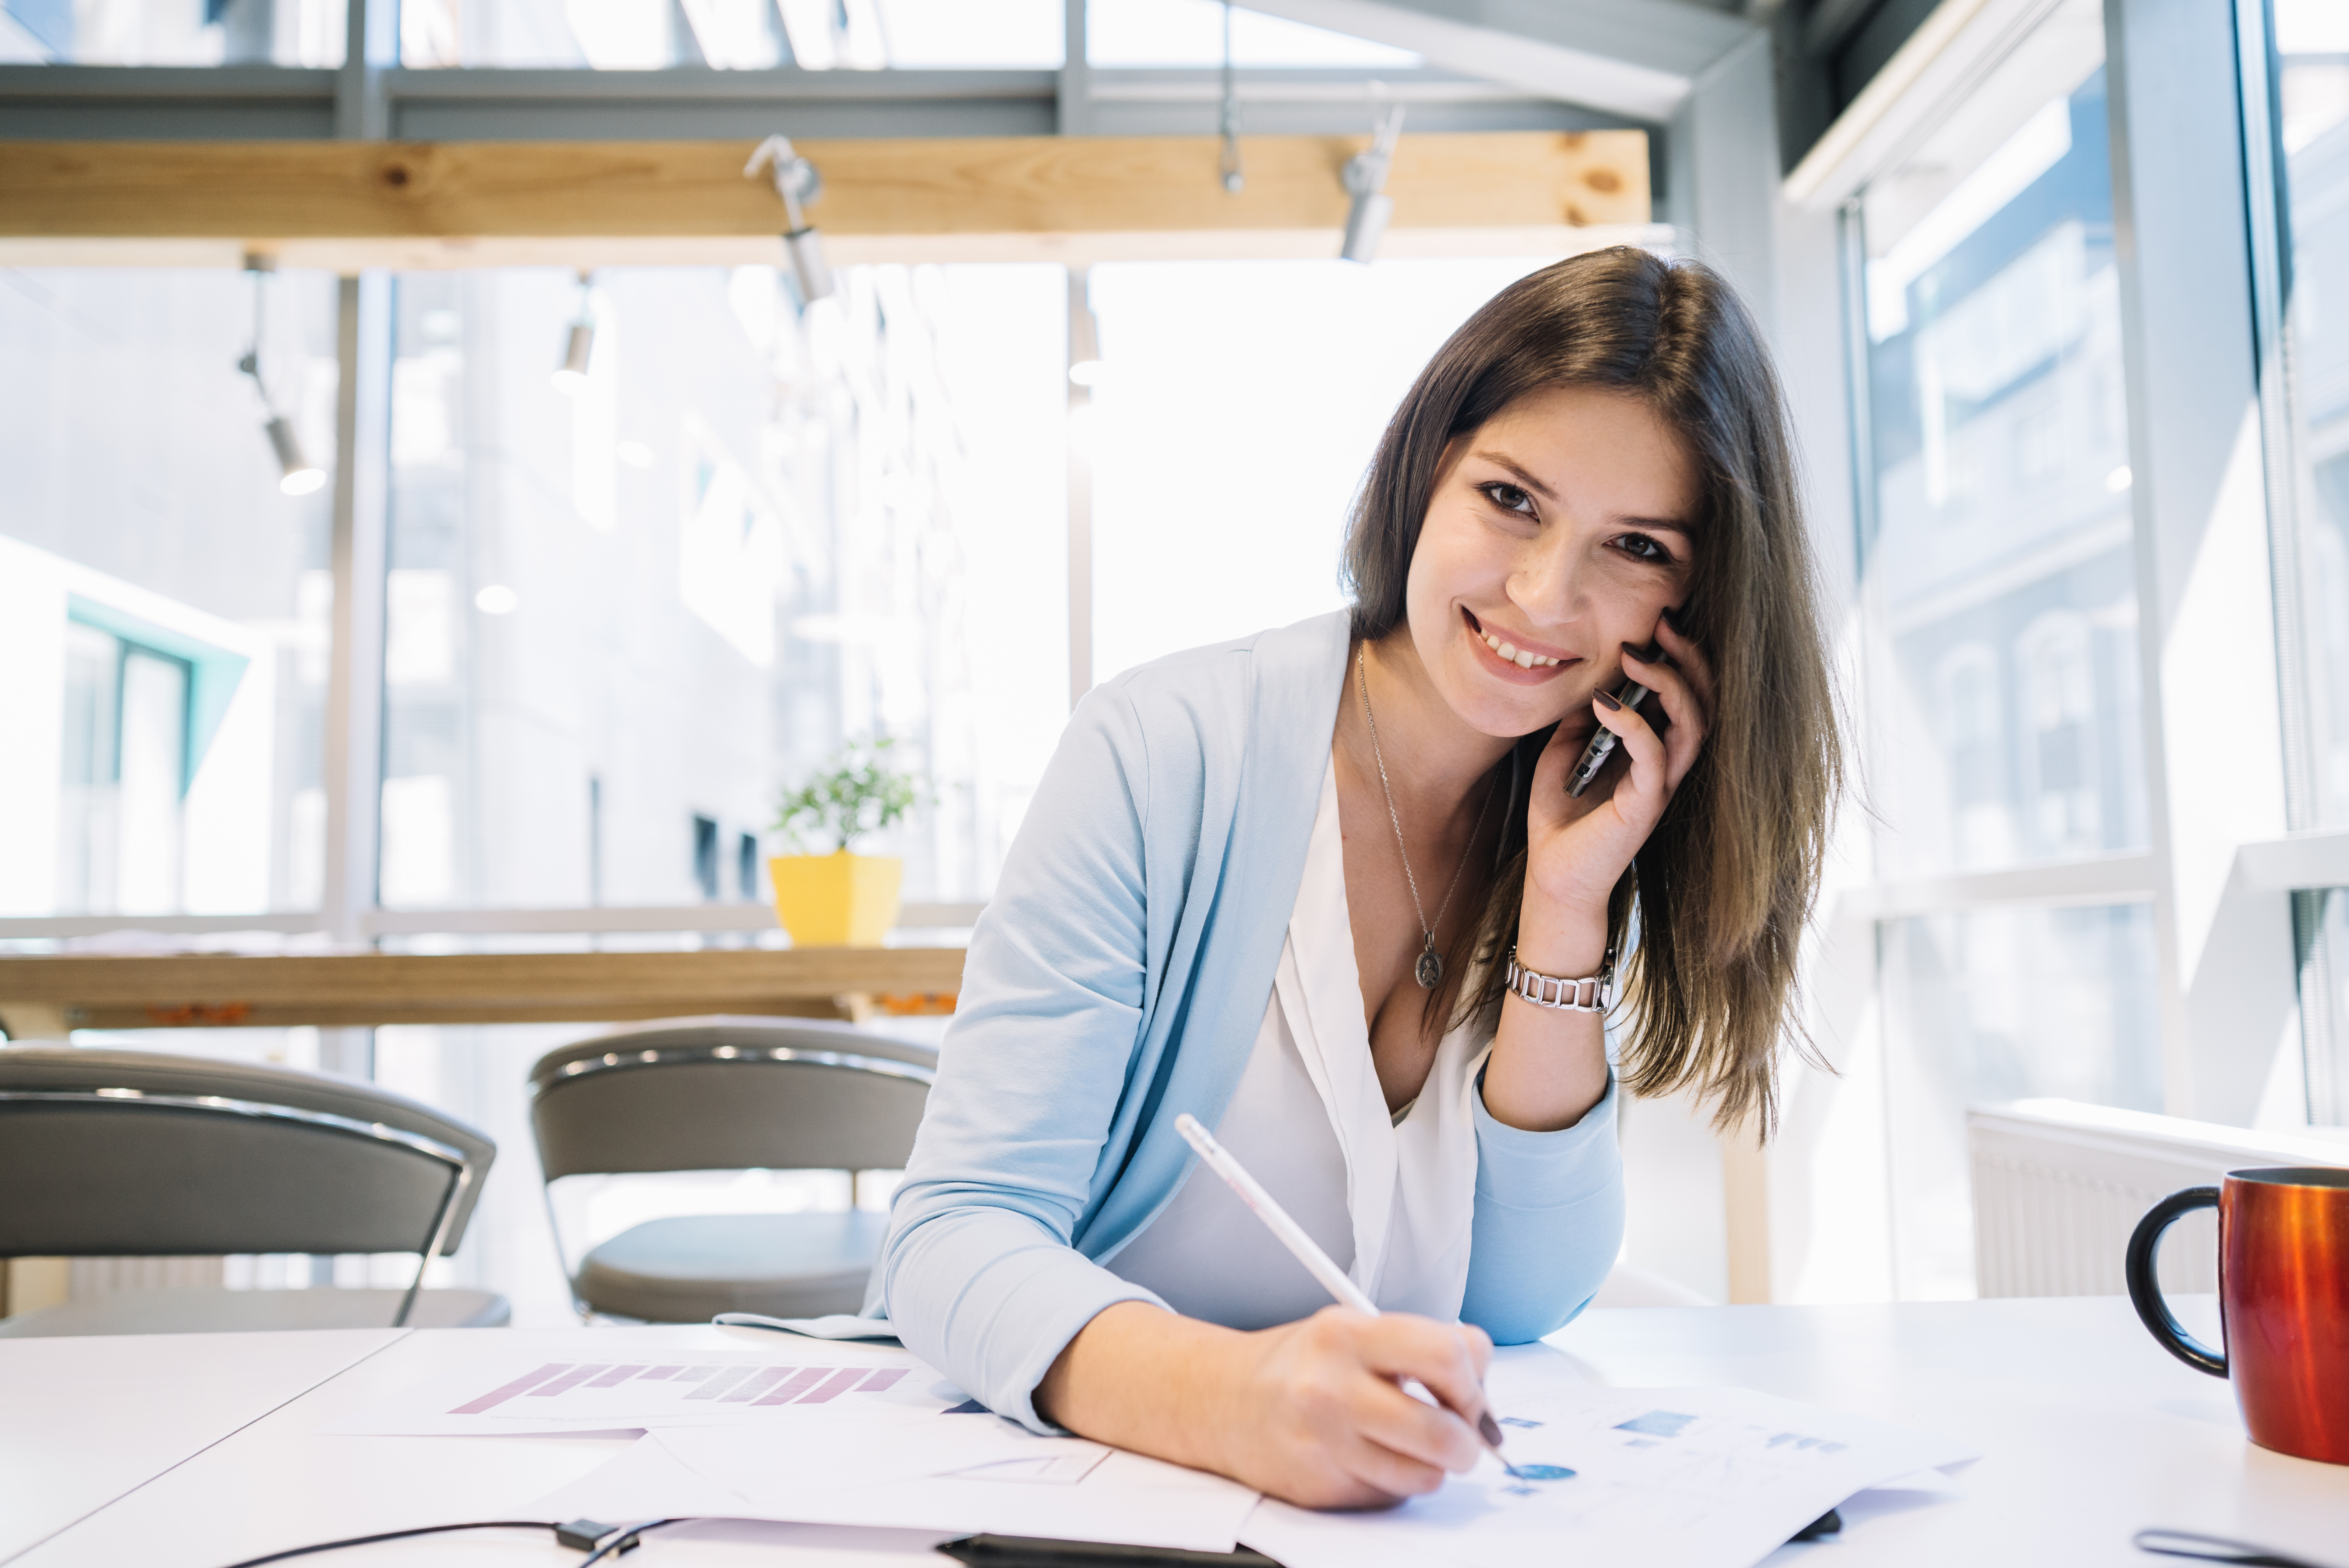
x=621, y=1392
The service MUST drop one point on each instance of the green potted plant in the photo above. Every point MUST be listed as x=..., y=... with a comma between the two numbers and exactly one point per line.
x=836, y=898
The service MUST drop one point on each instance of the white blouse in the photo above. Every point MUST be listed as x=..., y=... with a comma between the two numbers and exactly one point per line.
x=1391, y=1199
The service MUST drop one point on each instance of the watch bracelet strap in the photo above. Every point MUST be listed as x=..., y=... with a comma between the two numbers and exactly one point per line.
x=1590, y=994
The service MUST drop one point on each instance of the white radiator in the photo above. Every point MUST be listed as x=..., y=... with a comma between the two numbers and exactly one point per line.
x=2058, y=1187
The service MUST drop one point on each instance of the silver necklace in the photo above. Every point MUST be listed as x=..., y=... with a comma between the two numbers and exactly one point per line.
x=1429, y=970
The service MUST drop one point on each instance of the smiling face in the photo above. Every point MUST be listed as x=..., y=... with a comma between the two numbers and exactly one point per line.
x=1558, y=531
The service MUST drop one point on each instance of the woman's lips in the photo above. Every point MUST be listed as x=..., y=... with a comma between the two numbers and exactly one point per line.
x=1526, y=666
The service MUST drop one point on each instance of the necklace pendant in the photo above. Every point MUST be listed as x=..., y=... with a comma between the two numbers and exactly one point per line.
x=1429, y=970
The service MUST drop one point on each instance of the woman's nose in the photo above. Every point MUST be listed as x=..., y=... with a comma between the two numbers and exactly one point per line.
x=1547, y=584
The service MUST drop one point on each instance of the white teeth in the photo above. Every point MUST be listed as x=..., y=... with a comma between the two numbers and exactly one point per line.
x=1523, y=658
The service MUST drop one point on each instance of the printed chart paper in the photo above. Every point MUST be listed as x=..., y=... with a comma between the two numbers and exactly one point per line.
x=1667, y=1477
x=913, y=1458
x=521, y=1394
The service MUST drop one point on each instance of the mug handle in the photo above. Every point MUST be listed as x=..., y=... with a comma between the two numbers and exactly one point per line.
x=2145, y=1291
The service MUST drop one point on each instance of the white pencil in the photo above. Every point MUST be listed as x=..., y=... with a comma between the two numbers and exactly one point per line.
x=1291, y=1234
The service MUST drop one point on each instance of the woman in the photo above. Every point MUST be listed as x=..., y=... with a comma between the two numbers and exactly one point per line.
x=1284, y=884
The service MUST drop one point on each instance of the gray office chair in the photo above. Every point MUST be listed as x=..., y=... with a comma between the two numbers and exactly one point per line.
x=729, y=1094
x=110, y=1153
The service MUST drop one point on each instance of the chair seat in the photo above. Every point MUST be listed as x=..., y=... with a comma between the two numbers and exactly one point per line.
x=689, y=1269
x=199, y=1310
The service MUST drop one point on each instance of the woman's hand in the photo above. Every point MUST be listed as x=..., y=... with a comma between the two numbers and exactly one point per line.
x=1578, y=848
x=1549, y=1067
x=1313, y=1412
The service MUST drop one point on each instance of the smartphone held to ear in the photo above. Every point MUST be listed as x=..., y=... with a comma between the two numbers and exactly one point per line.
x=1630, y=694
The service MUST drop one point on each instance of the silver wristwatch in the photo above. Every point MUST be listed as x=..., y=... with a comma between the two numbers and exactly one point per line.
x=1592, y=993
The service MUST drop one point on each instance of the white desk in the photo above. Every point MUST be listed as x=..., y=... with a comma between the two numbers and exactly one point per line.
x=2089, y=1433
x=83, y=1422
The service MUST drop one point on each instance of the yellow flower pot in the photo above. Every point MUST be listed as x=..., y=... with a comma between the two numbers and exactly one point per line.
x=837, y=899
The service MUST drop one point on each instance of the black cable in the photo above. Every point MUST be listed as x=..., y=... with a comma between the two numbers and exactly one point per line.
x=625, y=1540
x=598, y=1540
x=398, y=1535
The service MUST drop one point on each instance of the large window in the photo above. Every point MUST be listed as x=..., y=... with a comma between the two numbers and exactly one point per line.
x=2310, y=423
x=1191, y=33
x=2003, y=705
x=732, y=34
x=625, y=608
x=171, y=32
x=164, y=604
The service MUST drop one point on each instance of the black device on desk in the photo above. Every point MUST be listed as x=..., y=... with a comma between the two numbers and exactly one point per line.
x=1033, y=1551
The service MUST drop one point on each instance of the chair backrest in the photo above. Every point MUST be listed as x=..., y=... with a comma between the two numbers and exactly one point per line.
x=729, y=1094
x=113, y=1153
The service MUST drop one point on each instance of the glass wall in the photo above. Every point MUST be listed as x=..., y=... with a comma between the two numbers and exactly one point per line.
x=165, y=604
x=2312, y=86
x=2002, y=700
x=1996, y=1005
x=171, y=32
x=2000, y=575
x=2312, y=128
x=626, y=608
x=1168, y=33
x=732, y=34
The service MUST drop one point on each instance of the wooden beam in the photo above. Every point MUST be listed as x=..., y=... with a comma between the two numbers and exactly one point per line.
x=1548, y=242
x=267, y=193
x=212, y=991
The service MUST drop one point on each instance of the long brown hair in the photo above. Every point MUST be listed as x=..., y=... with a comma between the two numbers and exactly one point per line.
x=1726, y=880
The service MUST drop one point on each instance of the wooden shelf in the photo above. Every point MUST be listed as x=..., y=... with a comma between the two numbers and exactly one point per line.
x=42, y=998
x=480, y=203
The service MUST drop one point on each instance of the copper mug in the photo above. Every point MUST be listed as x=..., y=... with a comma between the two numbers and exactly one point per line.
x=2283, y=1302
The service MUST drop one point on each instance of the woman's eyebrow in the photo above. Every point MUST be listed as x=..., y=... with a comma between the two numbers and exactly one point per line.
x=1525, y=479
x=1654, y=525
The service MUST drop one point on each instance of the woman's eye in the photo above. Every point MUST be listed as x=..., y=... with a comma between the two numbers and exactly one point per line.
x=1639, y=547
x=1508, y=498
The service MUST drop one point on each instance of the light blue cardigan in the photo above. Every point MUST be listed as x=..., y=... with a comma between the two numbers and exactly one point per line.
x=1119, y=978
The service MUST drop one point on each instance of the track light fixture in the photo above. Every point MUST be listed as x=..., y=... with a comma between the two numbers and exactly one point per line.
x=579, y=351
x=1365, y=178
x=797, y=183
x=297, y=474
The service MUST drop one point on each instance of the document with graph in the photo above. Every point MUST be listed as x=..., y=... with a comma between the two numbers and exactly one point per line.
x=519, y=1392
x=917, y=1455
x=1666, y=1478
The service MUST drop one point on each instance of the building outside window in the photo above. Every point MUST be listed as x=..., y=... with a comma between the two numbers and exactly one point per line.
x=625, y=613
x=2002, y=703
x=172, y=32
x=2308, y=432
x=164, y=605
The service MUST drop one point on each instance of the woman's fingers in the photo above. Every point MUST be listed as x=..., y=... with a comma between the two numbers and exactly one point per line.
x=1384, y=1435
x=1682, y=703
x=1691, y=660
x=1649, y=778
x=1404, y=1446
x=1448, y=1361
x=1550, y=802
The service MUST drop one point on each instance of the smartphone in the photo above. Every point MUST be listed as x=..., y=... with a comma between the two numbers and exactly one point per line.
x=1630, y=694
